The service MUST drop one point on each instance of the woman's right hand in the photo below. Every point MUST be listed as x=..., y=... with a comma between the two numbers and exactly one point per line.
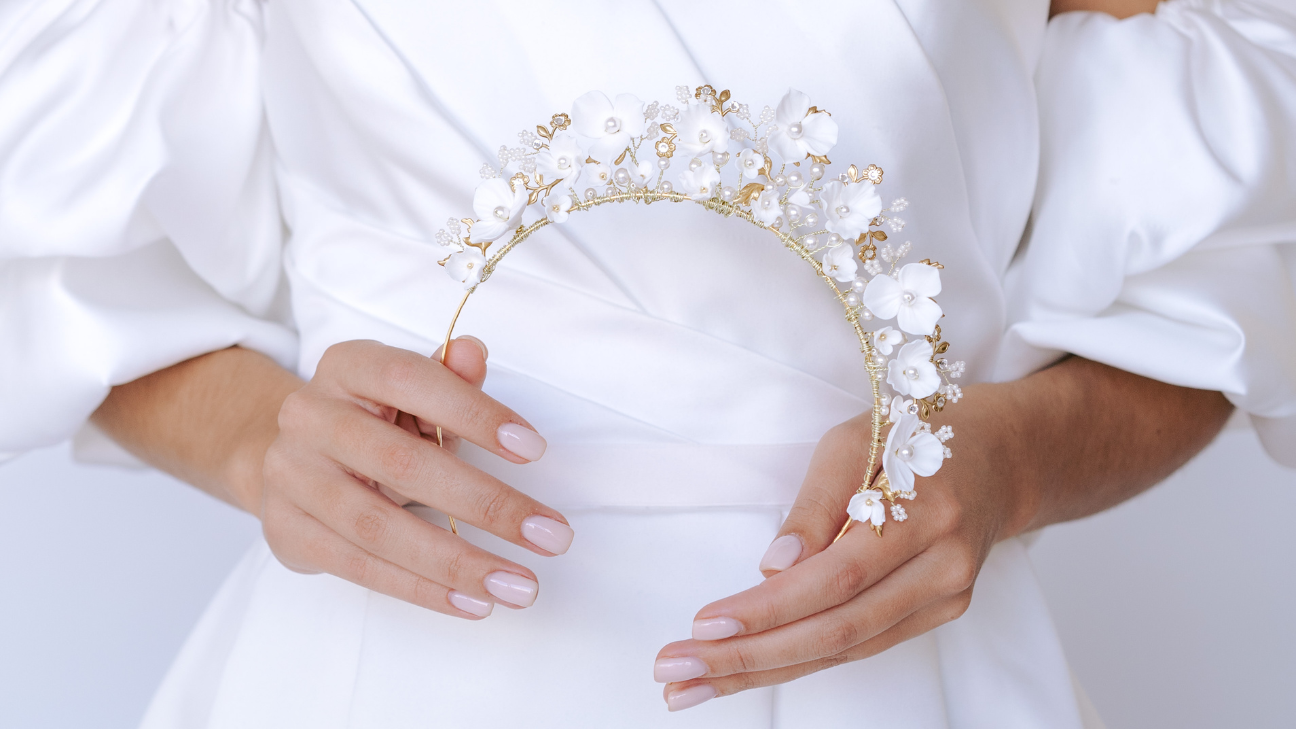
x=342, y=461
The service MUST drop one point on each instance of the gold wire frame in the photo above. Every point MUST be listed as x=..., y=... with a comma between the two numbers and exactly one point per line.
x=728, y=209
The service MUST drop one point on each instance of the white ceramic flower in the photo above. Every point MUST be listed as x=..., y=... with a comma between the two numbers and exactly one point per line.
x=700, y=184
x=799, y=132
x=498, y=208
x=840, y=263
x=558, y=204
x=750, y=162
x=562, y=160
x=911, y=372
x=609, y=126
x=597, y=176
x=766, y=208
x=900, y=407
x=910, y=452
x=886, y=339
x=849, y=208
x=867, y=507
x=466, y=266
x=642, y=173
x=701, y=131
x=907, y=297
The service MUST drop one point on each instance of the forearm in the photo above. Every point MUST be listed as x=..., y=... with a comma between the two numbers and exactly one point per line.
x=1083, y=437
x=207, y=421
x=1118, y=8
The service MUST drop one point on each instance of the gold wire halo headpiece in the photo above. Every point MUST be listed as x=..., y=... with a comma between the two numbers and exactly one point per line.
x=621, y=150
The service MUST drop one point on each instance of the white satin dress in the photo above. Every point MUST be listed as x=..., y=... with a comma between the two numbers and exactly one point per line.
x=681, y=368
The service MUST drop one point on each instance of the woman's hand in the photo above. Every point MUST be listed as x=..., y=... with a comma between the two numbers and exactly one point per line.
x=1066, y=442
x=342, y=465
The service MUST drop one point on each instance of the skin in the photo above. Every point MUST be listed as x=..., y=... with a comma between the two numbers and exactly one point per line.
x=1118, y=8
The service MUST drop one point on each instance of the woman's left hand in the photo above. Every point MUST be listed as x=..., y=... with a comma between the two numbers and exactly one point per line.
x=829, y=603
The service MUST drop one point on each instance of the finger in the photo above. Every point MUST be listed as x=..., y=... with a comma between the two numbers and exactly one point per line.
x=421, y=386
x=466, y=358
x=304, y=544
x=921, y=581
x=419, y=470
x=687, y=694
x=832, y=577
x=837, y=469
x=381, y=528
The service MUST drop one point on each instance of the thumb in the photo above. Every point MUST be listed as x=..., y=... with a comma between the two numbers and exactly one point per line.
x=838, y=467
x=467, y=358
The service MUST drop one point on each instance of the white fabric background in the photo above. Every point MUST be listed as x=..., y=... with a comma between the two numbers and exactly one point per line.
x=1173, y=607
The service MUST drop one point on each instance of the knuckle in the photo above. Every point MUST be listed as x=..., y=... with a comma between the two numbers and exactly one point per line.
x=371, y=527
x=400, y=372
x=359, y=567
x=849, y=580
x=425, y=591
x=494, y=505
x=456, y=567
x=401, y=462
x=744, y=660
x=295, y=409
x=836, y=637
x=947, y=516
x=960, y=573
x=958, y=605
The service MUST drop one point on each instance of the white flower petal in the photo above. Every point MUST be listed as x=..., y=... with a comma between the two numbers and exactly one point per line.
x=466, y=267
x=882, y=296
x=819, y=134
x=921, y=279
x=928, y=455
x=792, y=108
x=919, y=316
x=629, y=109
x=590, y=112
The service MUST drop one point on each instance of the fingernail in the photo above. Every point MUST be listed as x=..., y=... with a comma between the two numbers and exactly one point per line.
x=689, y=697
x=511, y=588
x=782, y=553
x=715, y=628
x=480, y=608
x=478, y=342
x=521, y=441
x=669, y=670
x=547, y=534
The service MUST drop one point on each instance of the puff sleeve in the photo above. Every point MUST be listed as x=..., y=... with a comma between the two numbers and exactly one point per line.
x=138, y=220
x=1163, y=235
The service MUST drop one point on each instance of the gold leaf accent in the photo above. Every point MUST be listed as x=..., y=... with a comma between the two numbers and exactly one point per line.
x=933, y=264
x=942, y=348
x=820, y=158
x=591, y=161
x=468, y=222
x=724, y=96
x=879, y=235
x=668, y=128
x=853, y=173
x=533, y=198
x=621, y=159
x=750, y=192
x=817, y=110
x=544, y=132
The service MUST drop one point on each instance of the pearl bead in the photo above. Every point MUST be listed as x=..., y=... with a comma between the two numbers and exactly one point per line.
x=622, y=177
x=852, y=300
x=834, y=240
x=792, y=212
x=704, y=136
x=612, y=125
x=795, y=179
x=780, y=180
x=905, y=452
x=695, y=164
x=842, y=211
x=537, y=144
x=727, y=193
x=858, y=285
x=911, y=373
x=778, y=222
x=812, y=243
x=666, y=186
x=563, y=163
x=866, y=315
x=589, y=193
x=501, y=212
x=794, y=130
x=875, y=359
x=720, y=158
x=768, y=203
x=663, y=162
x=816, y=171
x=908, y=297
x=812, y=220
x=751, y=163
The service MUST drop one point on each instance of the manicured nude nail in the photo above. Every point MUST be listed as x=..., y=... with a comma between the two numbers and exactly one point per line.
x=715, y=628
x=669, y=670
x=547, y=534
x=782, y=553
x=689, y=697
x=511, y=588
x=521, y=441
x=468, y=604
x=478, y=342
